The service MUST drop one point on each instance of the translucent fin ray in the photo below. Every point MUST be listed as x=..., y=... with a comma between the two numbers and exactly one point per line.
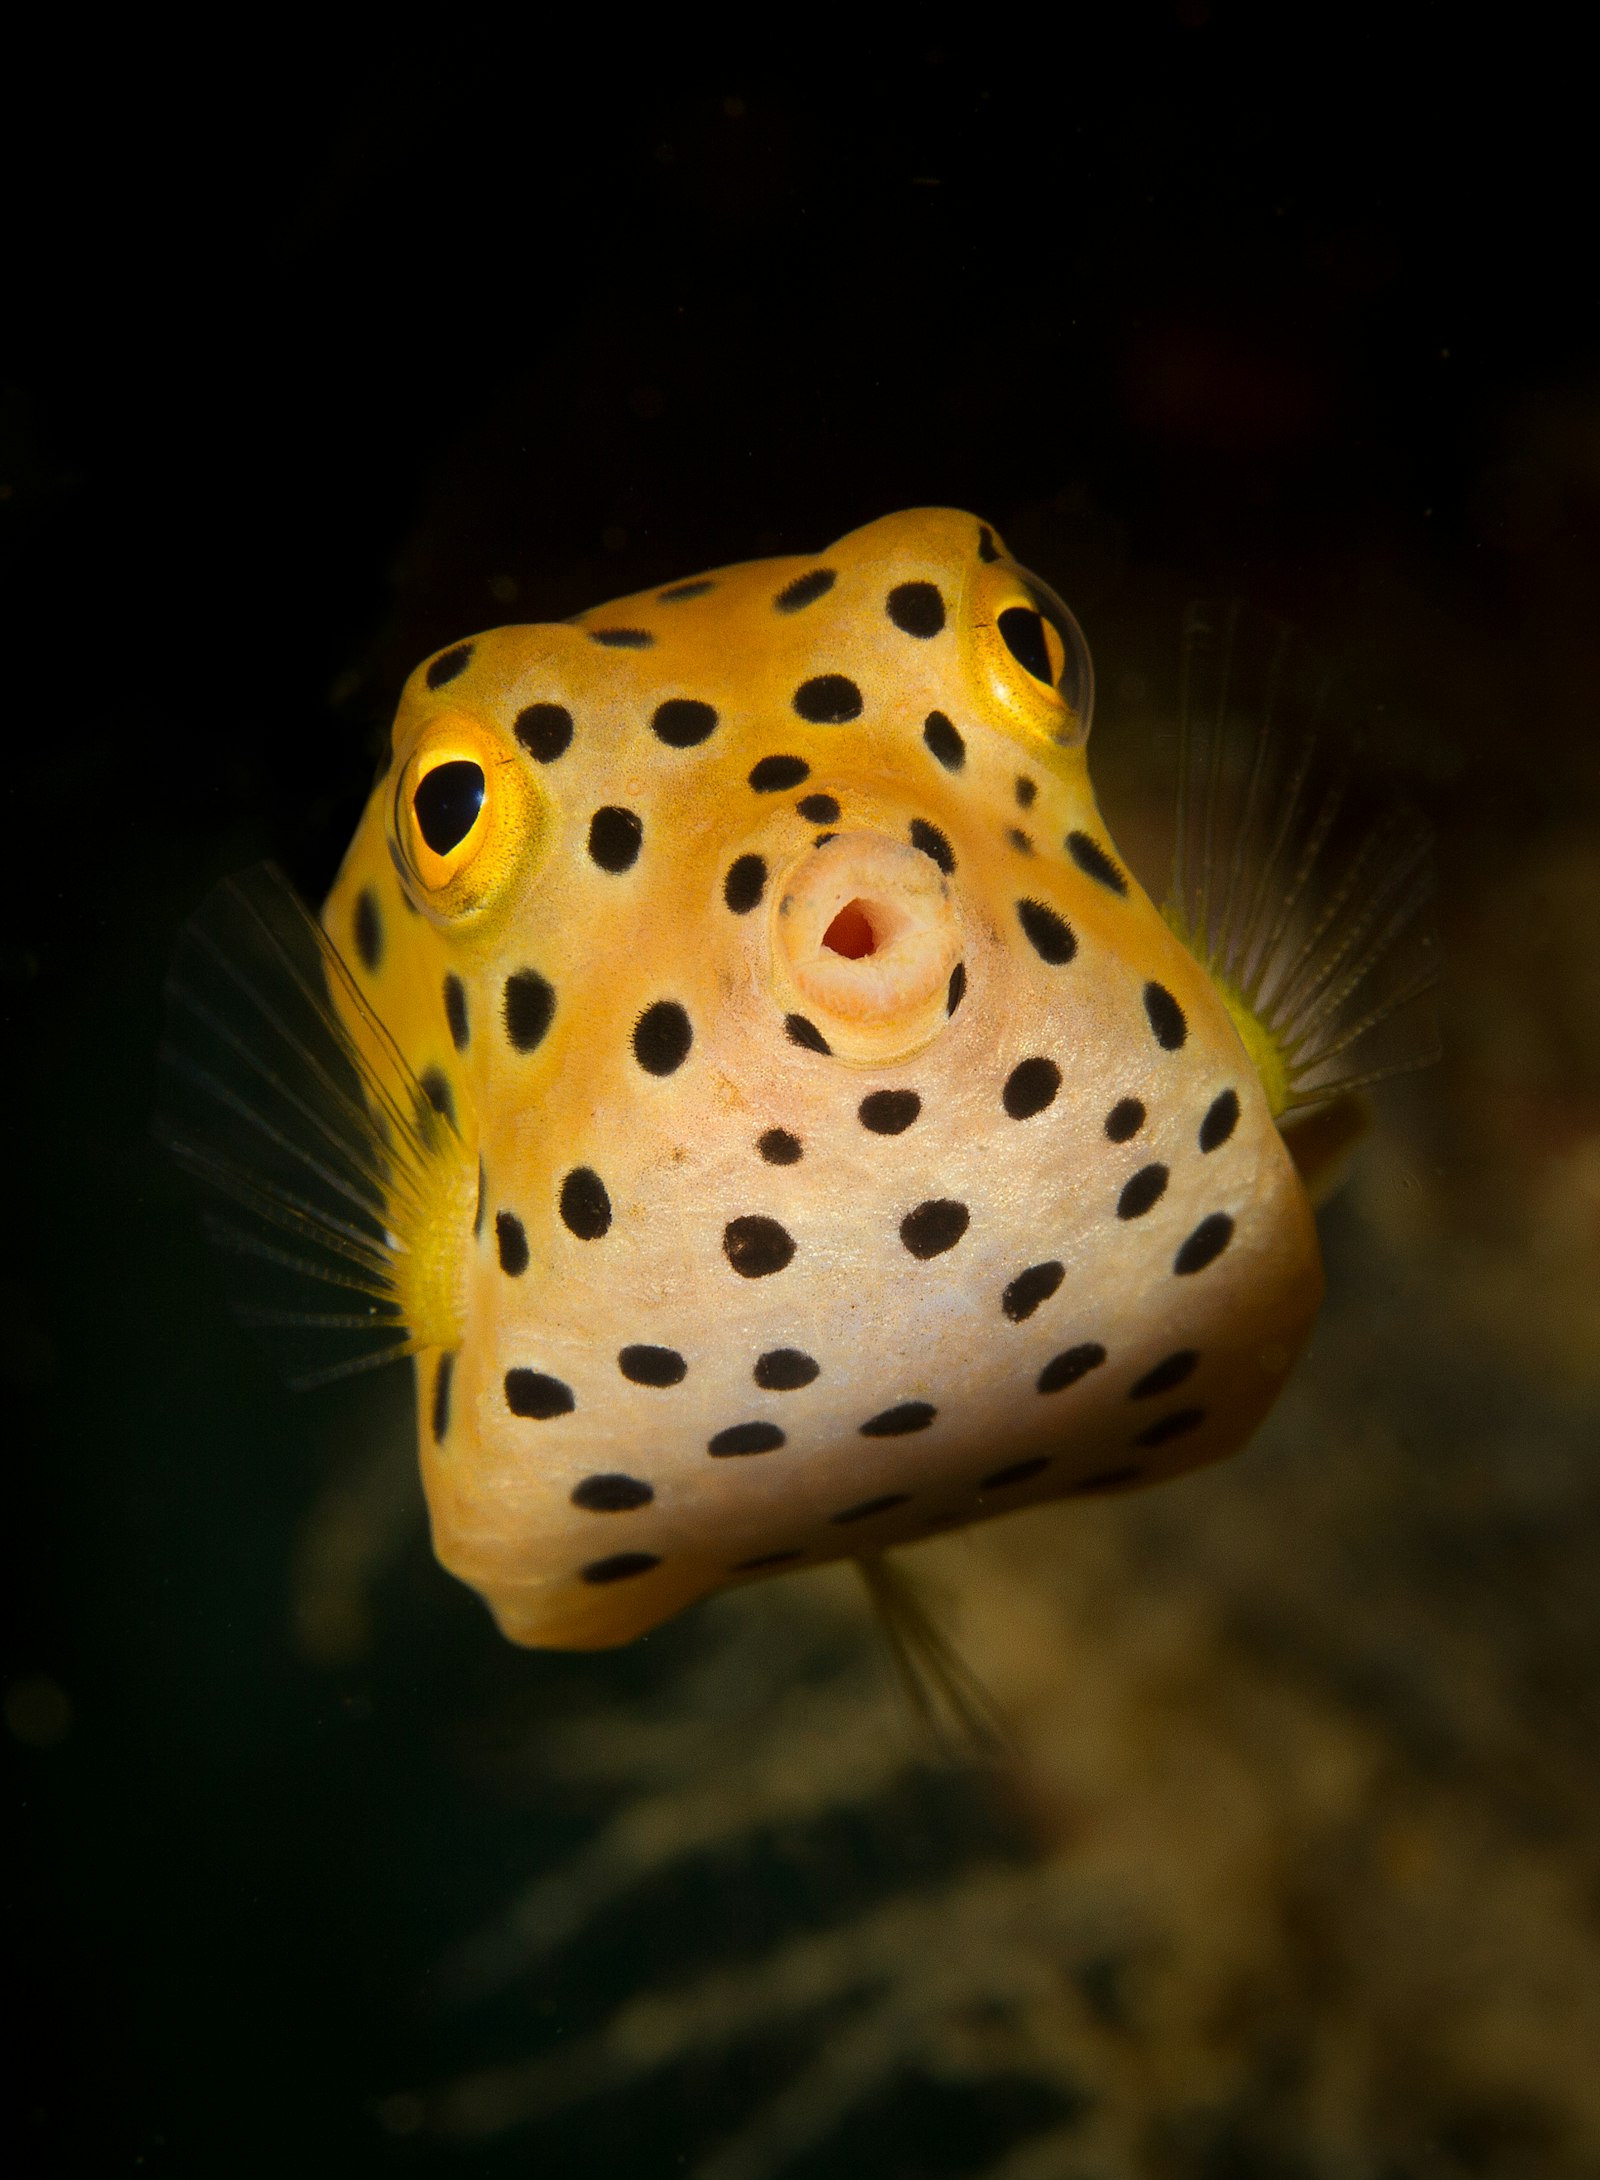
x=286, y=1097
x=1303, y=891
x=953, y=1710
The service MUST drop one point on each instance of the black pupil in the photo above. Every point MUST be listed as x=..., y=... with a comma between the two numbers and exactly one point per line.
x=447, y=803
x=1071, y=684
x=1023, y=630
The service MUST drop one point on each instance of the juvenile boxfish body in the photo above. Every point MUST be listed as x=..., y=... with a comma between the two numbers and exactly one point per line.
x=837, y=1145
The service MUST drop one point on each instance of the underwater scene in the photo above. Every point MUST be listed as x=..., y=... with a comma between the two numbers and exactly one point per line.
x=839, y=824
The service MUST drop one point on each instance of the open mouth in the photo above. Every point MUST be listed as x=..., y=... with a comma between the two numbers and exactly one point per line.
x=868, y=935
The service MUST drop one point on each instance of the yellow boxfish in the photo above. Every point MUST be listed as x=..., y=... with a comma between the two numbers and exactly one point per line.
x=737, y=1065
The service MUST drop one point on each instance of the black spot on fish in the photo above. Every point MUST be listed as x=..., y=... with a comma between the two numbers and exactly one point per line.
x=910, y=1415
x=757, y=1246
x=987, y=548
x=746, y=1438
x=435, y=1087
x=1070, y=1365
x=680, y=591
x=662, y=1037
x=1094, y=862
x=828, y=700
x=745, y=883
x=657, y=1366
x=1030, y=1087
x=615, y=836
x=682, y=721
x=805, y=590
x=528, y=1004
x=545, y=731
x=1170, y=1371
x=1019, y=840
x=531, y=1393
x=622, y=639
x=956, y=989
x=1177, y=1425
x=585, y=1205
x=620, y=1567
x=441, y=1397
x=820, y=809
x=932, y=842
x=1025, y=1293
x=944, y=740
x=1019, y=1472
x=1205, y=1244
x=806, y=1034
x=869, y=1507
x=916, y=609
x=772, y=774
x=1222, y=1117
x=612, y=1494
x=785, y=1370
x=455, y=1010
x=1124, y=1120
x=934, y=1226
x=367, y=924
x=1142, y=1192
x=448, y=665
x=779, y=1148
x=1048, y=934
x=1026, y=791
x=1166, y=1017
x=511, y=1239
x=889, y=1112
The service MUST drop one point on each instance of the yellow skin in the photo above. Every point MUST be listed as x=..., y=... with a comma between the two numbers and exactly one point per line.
x=526, y=1301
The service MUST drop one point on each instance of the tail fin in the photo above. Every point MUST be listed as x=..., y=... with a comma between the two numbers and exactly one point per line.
x=1308, y=906
x=290, y=1103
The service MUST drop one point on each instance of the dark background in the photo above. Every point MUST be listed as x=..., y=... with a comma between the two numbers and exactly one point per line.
x=318, y=358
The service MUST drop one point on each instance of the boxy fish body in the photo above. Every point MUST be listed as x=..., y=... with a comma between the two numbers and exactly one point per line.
x=821, y=1139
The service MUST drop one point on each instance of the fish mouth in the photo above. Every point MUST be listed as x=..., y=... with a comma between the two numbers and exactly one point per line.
x=867, y=935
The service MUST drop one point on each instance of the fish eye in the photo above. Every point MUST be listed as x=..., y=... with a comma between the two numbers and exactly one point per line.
x=466, y=814
x=1029, y=655
x=447, y=801
x=1068, y=671
x=1019, y=622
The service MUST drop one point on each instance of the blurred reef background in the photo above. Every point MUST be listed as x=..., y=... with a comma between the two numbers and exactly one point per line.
x=316, y=358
